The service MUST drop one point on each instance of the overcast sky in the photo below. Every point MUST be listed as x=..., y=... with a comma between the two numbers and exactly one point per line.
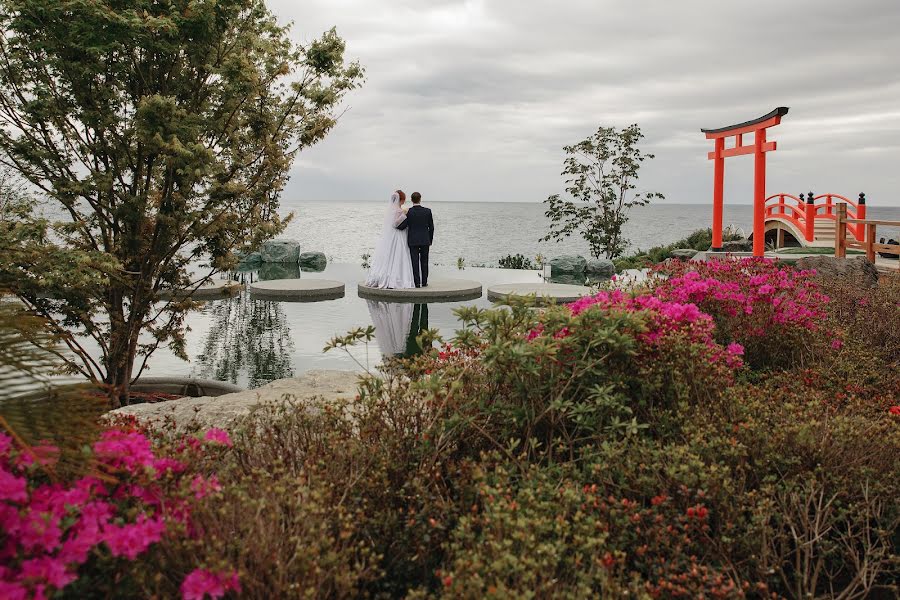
x=474, y=99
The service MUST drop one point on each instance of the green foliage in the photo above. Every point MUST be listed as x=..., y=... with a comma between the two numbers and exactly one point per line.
x=519, y=261
x=700, y=240
x=162, y=132
x=601, y=175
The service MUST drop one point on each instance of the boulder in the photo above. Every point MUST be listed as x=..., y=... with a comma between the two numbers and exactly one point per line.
x=268, y=271
x=252, y=258
x=856, y=270
x=313, y=261
x=228, y=410
x=738, y=246
x=684, y=253
x=569, y=279
x=280, y=251
x=600, y=268
x=567, y=265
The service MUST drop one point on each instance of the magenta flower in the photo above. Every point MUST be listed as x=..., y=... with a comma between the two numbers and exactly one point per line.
x=203, y=487
x=132, y=539
x=12, y=488
x=124, y=449
x=218, y=436
x=201, y=583
x=12, y=591
x=837, y=344
x=735, y=349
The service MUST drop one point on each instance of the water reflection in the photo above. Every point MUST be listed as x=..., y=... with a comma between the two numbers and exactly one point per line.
x=397, y=325
x=249, y=337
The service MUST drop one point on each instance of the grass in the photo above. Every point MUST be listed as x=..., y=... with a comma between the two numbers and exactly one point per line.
x=822, y=251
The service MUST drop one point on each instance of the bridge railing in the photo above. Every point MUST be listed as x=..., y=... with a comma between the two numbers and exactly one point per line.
x=788, y=208
x=803, y=213
x=843, y=222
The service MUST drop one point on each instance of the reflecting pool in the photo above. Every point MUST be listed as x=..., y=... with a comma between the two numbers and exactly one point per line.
x=251, y=341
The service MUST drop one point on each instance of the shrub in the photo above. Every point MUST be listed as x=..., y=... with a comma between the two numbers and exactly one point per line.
x=700, y=240
x=570, y=535
x=71, y=535
x=775, y=312
x=518, y=261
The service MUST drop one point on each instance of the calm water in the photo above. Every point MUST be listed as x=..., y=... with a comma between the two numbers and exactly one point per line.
x=251, y=342
x=484, y=233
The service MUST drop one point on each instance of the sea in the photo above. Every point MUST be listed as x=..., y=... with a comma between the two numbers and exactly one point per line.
x=482, y=233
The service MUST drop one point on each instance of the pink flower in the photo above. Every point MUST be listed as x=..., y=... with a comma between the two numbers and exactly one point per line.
x=124, y=449
x=132, y=539
x=837, y=344
x=735, y=349
x=12, y=591
x=202, y=582
x=170, y=465
x=12, y=488
x=47, y=570
x=5, y=444
x=40, y=531
x=203, y=487
x=537, y=331
x=218, y=436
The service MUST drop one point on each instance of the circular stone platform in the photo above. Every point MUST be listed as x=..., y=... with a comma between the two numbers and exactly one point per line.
x=298, y=290
x=212, y=290
x=438, y=290
x=546, y=293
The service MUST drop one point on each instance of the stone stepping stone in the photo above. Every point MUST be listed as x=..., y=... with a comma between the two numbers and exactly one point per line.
x=297, y=290
x=546, y=293
x=212, y=290
x=438, y=290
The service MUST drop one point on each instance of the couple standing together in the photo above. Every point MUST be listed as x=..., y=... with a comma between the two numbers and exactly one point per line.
x=401, y=255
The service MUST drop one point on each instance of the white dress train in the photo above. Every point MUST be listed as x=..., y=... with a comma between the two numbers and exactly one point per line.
x=391, y=265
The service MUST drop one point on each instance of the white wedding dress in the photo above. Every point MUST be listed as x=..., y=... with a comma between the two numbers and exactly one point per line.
x=391, y=265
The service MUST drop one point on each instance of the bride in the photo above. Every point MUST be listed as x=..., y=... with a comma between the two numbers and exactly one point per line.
x=391, y=265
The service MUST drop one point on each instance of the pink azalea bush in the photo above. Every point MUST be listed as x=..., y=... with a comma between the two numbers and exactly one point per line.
x=665, y=319
x=129, y=500
x=774, y=311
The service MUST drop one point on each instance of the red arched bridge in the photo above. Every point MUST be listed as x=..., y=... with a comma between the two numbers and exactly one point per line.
x=797, y=221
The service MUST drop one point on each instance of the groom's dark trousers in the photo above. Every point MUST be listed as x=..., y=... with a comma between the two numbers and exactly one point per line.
x=420, y=236
x=419, y=256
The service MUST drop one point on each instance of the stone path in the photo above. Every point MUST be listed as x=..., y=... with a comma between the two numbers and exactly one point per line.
x=227, y=410
x=298, y=290
x=546, y=293
x=438, y=290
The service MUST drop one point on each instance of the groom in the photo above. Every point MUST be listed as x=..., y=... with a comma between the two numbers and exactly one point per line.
x=421, y=234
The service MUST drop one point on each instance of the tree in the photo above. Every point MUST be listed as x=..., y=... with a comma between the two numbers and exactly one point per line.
x=601, y=175
x=162, y=131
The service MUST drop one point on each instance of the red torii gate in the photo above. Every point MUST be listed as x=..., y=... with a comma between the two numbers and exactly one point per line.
x=758, y=149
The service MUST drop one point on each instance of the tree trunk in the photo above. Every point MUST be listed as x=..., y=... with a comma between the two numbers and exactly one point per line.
x=124, y=333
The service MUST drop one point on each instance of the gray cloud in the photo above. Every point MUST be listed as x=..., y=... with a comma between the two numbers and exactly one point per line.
x=473, y=100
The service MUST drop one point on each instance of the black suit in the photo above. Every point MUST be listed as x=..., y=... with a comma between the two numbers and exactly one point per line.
x=421, y=235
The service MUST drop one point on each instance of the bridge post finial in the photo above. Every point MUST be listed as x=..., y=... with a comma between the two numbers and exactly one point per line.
x=862, y=198
x=810, y=198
